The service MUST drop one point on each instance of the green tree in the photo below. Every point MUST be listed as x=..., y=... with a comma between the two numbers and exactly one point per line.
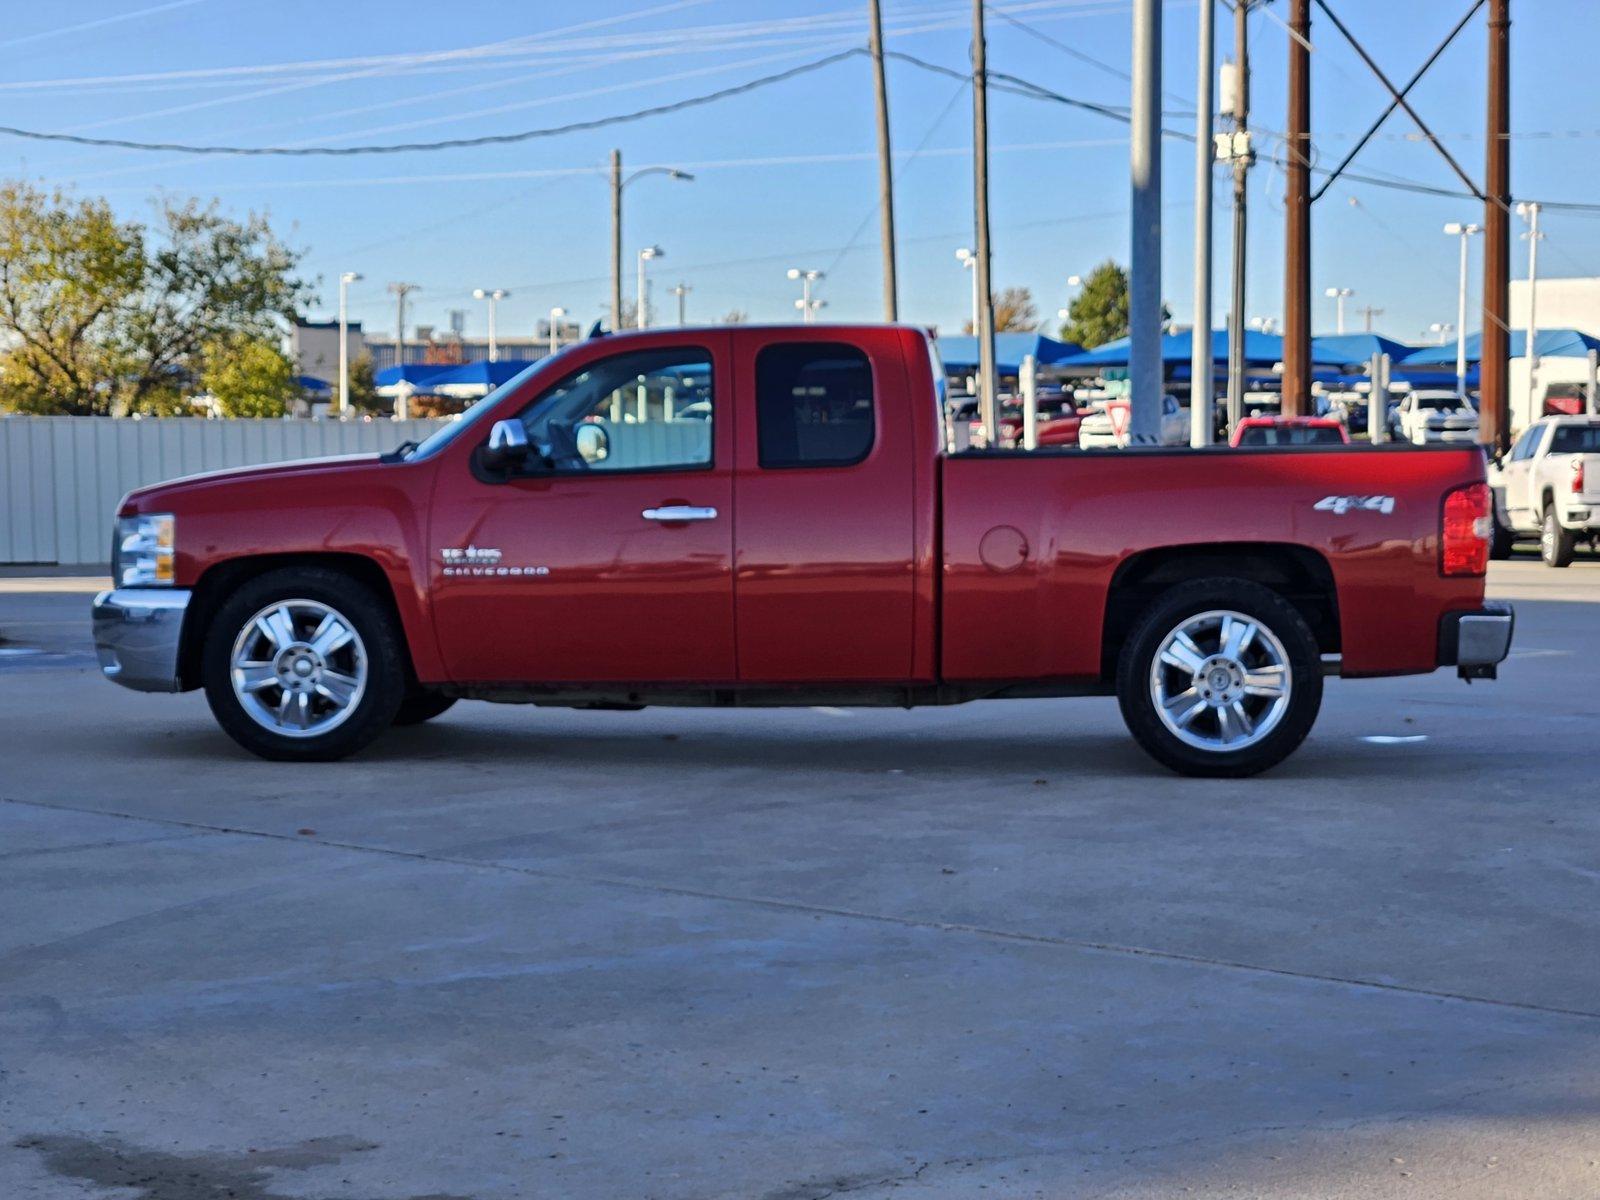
x=364, y=387
x=68, y=271
x=101, y=316
x=248, y=377
x=1099, y=312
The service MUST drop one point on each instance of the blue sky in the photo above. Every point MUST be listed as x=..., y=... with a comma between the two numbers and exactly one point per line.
x=786, y=176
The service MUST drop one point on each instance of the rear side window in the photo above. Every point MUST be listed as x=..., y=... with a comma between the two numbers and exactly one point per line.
x=813, y=405
x=1576, y=439
x=1290, y=435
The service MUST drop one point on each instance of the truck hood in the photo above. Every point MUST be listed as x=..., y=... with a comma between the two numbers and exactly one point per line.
x=156, y=496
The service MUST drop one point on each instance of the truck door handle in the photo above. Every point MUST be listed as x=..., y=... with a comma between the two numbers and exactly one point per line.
x=679, y=512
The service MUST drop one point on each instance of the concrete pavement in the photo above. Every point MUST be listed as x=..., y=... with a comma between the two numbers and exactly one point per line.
x=801, y=954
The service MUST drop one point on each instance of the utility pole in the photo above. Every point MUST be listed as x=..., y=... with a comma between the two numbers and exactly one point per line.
x=1144, y=258
x=891, y=301
x=1240, y=156
x=616, y=241
x=1494, y=425
x=988, y=397
x=1297, y=218
x=681, y=292
x=1367, y=312
x=400, y=291
x=1201, y=422
x=1529, y=211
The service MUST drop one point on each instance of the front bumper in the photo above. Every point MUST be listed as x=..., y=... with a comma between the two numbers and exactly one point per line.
x=137, y=632
x=1476, y=642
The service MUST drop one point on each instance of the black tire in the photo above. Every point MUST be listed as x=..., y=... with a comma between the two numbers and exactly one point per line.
x=1501, y=538
x=1556, y=545
x=355, y=603
x=422, y=705
x=1288, y=637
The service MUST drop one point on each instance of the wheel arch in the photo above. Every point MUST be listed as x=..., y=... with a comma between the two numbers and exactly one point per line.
x=1298, y=573
x=222, y=578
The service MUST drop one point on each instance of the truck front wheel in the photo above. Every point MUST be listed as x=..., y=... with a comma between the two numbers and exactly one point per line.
x=303, y=665
x=1220, y=677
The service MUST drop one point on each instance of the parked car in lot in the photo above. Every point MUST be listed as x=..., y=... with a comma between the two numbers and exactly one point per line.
x=1108, y=426
x=1057, y=426
x=574, y=541
x=1549, y=485
x=1289, y=431
x=1433, y=415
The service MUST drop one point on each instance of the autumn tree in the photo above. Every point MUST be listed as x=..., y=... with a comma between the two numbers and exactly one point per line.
x=1014, y=312
x=364, y=387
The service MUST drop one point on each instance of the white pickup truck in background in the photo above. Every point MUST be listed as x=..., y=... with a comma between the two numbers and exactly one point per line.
x=1550, y=486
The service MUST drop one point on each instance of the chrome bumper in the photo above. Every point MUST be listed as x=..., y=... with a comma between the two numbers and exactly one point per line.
x=136, y=634
x=1477, y=642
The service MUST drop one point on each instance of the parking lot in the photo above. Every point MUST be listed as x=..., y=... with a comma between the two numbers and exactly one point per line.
x=791, y=955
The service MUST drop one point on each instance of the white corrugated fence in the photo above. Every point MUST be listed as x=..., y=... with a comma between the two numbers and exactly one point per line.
x=61, y=477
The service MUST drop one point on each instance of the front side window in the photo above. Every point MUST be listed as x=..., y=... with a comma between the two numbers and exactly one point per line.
x=1525, y=444
x=813, y=405
x=647, y=410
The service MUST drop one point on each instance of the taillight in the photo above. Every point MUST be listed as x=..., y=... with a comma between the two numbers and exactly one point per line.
x=1467, y=526
x=1577, y=474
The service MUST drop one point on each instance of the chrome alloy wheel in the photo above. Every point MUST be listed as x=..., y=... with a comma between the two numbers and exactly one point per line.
x=299, y=668
x=1221, y=681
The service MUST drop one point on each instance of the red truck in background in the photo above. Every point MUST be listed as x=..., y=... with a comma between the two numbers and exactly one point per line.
x=769, y=516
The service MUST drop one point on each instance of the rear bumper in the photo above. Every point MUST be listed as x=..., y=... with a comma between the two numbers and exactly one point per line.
x=1477, y=641
x=137, y=632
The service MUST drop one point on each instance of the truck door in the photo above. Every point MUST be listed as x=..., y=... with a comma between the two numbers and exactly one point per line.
x=611, y=558
x=1517, y=478
x=825, y=490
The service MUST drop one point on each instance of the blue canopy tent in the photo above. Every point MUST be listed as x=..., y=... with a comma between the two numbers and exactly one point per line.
x=317, y=389
x=1551, y=343
x=961, y=353
x=415, y=375
x=1354, y=349
x=478, y=378
x=1260, y=350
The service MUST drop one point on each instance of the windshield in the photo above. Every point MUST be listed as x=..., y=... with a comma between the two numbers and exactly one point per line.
x=445, y=434
x=1441, y=403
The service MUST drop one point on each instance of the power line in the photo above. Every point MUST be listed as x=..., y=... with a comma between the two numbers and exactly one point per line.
x=491, y=139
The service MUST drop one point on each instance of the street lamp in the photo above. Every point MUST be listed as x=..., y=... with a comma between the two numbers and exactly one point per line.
x=493, y=297
x=1264, y=324
x=1457, y=229
x=1338, y=295
x=645, y=256
x=1441, y=330
x=806, y=304
x=618, y=184
x=969, y=260
x=345, y=281
x=682, y=293
x=555, y=328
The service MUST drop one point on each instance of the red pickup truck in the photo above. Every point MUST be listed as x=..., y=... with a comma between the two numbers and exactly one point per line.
x=769, y=516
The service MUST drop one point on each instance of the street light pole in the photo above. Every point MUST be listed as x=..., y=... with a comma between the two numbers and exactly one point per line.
x=494, y=297
x=345, y=281
x=682, y=292
x=1528, y=210
x=969, y=260
x=1144, y=259
x=1200, y=363
x=806, y=305
x=988, y=386
x=555, y=328
x=400, y=291
x=642, y=320
x=618, y=184
x=1462, y=231
x=1339, y=295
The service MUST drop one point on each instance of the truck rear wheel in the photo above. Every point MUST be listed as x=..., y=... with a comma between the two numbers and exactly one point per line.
x=303, y=665
x=1220, y=677
x=1556, y=545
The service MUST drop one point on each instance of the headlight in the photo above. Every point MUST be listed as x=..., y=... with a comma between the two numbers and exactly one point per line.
x=143, y=555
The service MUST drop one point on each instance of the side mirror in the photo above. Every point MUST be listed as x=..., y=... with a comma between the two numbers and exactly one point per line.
x=594, y=443
x=508, y=446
